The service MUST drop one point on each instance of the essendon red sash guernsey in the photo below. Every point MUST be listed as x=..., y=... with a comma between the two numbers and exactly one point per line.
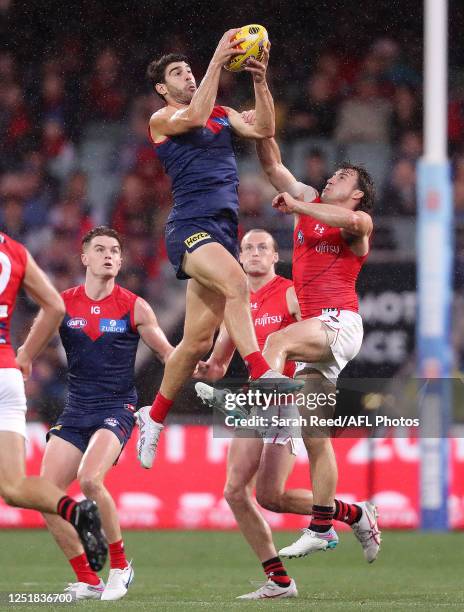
x=325, y=269
x=270, y=312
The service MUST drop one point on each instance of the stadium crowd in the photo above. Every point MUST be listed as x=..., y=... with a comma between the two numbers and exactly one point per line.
x=74, y=152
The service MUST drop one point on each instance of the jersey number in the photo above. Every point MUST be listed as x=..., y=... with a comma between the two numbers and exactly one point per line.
x=5, y=272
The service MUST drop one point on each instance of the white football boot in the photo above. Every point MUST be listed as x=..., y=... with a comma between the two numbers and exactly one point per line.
x=82, y=590
x=149, y=433
x=310, y=542
x=271, y=590
x=216, y=398
x=119, y=580
x=367, y=531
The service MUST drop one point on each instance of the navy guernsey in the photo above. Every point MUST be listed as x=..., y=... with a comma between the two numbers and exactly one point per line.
x=100, y=340
x=203, y=169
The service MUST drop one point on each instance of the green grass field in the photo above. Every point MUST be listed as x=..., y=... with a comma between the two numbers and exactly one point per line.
x=206, y=570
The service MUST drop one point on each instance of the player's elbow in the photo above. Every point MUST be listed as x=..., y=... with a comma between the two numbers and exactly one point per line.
x=57, y=307
x=265, y=131
x=355, y=224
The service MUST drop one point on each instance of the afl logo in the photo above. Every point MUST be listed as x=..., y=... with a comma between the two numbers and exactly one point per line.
x=77, y=323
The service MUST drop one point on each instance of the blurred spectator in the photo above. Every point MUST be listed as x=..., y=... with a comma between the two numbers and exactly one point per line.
x=132, y=207
x=57, y=150
x=364, y=117
x=12, y=218
x=15, y=124
x=315, y=170
x=52, y=98
x=410, y=145
x=400, y=192
x=254, y=208
x=394, y=69
x=456, y=119
x=406, y=115
x=107, y=95
x=313, y=113
x=68, y=218
x=76, y=190
x=39, y=193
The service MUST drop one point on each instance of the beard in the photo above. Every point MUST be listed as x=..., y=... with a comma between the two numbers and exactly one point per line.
x=182, y=96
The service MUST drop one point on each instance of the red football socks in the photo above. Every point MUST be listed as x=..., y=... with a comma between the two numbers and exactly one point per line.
x=275, y=570
x=256, y=365
x=161, y=406
x=82, y=570
x=66, y=508
x=322, y=518
x=117, y=555
x=347, y=513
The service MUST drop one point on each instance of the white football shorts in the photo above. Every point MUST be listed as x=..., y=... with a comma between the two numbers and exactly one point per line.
x=12, y=401
x=345, y=344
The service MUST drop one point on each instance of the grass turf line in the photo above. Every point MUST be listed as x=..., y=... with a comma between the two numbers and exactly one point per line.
x=206, y=570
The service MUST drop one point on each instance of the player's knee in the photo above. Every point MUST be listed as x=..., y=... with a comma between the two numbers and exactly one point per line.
x=317, y=445
x=198, y=347
x=10, y=492
x=90, y=486
x=237, y=289
x=268, y=499
x=274, y=341
x=235, y=494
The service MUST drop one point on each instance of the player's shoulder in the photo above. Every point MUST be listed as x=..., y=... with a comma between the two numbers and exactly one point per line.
x=14, y=248
x=166, y=112
x=72, y=293
x=124, y=295
x=283, y=283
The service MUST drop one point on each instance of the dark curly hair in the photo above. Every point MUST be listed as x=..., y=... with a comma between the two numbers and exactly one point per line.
x=365, y=184
x=156, y=71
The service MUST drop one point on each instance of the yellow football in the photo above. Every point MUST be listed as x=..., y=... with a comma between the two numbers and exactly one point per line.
x=256, y=39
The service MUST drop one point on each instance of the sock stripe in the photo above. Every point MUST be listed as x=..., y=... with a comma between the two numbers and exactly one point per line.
x=276, y=572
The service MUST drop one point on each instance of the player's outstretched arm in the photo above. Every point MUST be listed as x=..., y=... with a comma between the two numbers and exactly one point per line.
x=264, y=120
x=52, y=310
x=150, y=331
x=355, y=222
x=217, y=364
x=278, y=174
x=169, y=122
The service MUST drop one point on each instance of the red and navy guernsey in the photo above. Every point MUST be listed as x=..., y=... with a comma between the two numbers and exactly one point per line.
x=203, y=169
x=100, y=339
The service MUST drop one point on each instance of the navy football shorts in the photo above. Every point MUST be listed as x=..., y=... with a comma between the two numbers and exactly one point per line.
x=187, y=235
x=78, y=431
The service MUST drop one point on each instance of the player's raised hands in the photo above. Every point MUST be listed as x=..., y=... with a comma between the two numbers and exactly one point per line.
x=249, y=116
x=285, y=203
x=258, y=69
x=227, y=48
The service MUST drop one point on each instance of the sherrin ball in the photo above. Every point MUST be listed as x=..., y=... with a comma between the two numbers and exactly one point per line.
x=256, y=39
